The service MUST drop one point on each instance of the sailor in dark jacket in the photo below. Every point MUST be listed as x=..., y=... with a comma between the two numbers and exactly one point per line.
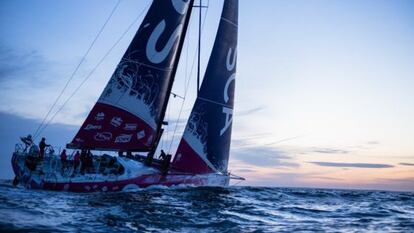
x=42, y=147
x=165, y=164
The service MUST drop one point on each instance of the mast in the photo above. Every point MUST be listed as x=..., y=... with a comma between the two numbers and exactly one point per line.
x=199, y=45
x=167, y=97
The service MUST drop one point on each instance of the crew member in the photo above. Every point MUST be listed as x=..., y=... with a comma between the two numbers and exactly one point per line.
x=42, y=147
x=165, y=165
x=83, y=161
x=89, y=162
x=63, y=159
x=129, y=155
x=76, y=161
x=163, y=155
x=28, y=141
x=63, y=156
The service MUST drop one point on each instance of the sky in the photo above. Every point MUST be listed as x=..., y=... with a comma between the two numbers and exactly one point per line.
x=324, y=93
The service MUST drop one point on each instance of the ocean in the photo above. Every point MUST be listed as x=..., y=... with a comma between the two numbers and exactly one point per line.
x=206, y=209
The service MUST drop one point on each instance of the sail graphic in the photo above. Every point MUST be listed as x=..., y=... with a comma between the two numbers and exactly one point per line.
x=129, y=112
x=205, y=144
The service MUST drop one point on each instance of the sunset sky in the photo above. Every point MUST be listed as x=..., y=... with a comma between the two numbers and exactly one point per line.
x=324, y=93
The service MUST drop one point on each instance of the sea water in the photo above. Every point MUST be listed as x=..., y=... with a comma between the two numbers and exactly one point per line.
x=206, y=209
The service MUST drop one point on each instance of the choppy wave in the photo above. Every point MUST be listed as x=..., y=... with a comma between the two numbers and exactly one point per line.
x=206, y=209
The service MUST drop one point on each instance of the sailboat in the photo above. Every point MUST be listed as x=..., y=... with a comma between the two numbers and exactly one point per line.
x=129, y=115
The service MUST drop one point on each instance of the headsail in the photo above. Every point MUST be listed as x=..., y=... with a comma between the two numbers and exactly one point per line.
x=129, y=112
x=205, y=144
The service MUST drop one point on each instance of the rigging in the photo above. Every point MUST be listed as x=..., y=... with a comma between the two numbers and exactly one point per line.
x=38, y=130
x=42, y=127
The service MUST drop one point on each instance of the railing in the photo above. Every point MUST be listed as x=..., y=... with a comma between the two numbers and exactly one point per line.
x=52, y=167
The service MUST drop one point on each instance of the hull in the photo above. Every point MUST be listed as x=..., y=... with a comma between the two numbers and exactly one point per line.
x=136, y=175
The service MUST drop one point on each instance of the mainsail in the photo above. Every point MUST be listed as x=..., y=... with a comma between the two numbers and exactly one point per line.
x=205, y=144
x=129, y=113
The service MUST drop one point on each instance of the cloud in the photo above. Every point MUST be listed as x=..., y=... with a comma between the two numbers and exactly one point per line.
x=320, y=150
x=330, y=151
x=264, y=157
x=22, y=66
x=26, y=77
x=245, y=170
x=304, y=176
x=338, y=151
x=249, y=111
x=249, y=141
x=354, y=165
x=407, y=164
x=325, y=178
x=253, y=136
x=31, y=77
x=283, y=140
